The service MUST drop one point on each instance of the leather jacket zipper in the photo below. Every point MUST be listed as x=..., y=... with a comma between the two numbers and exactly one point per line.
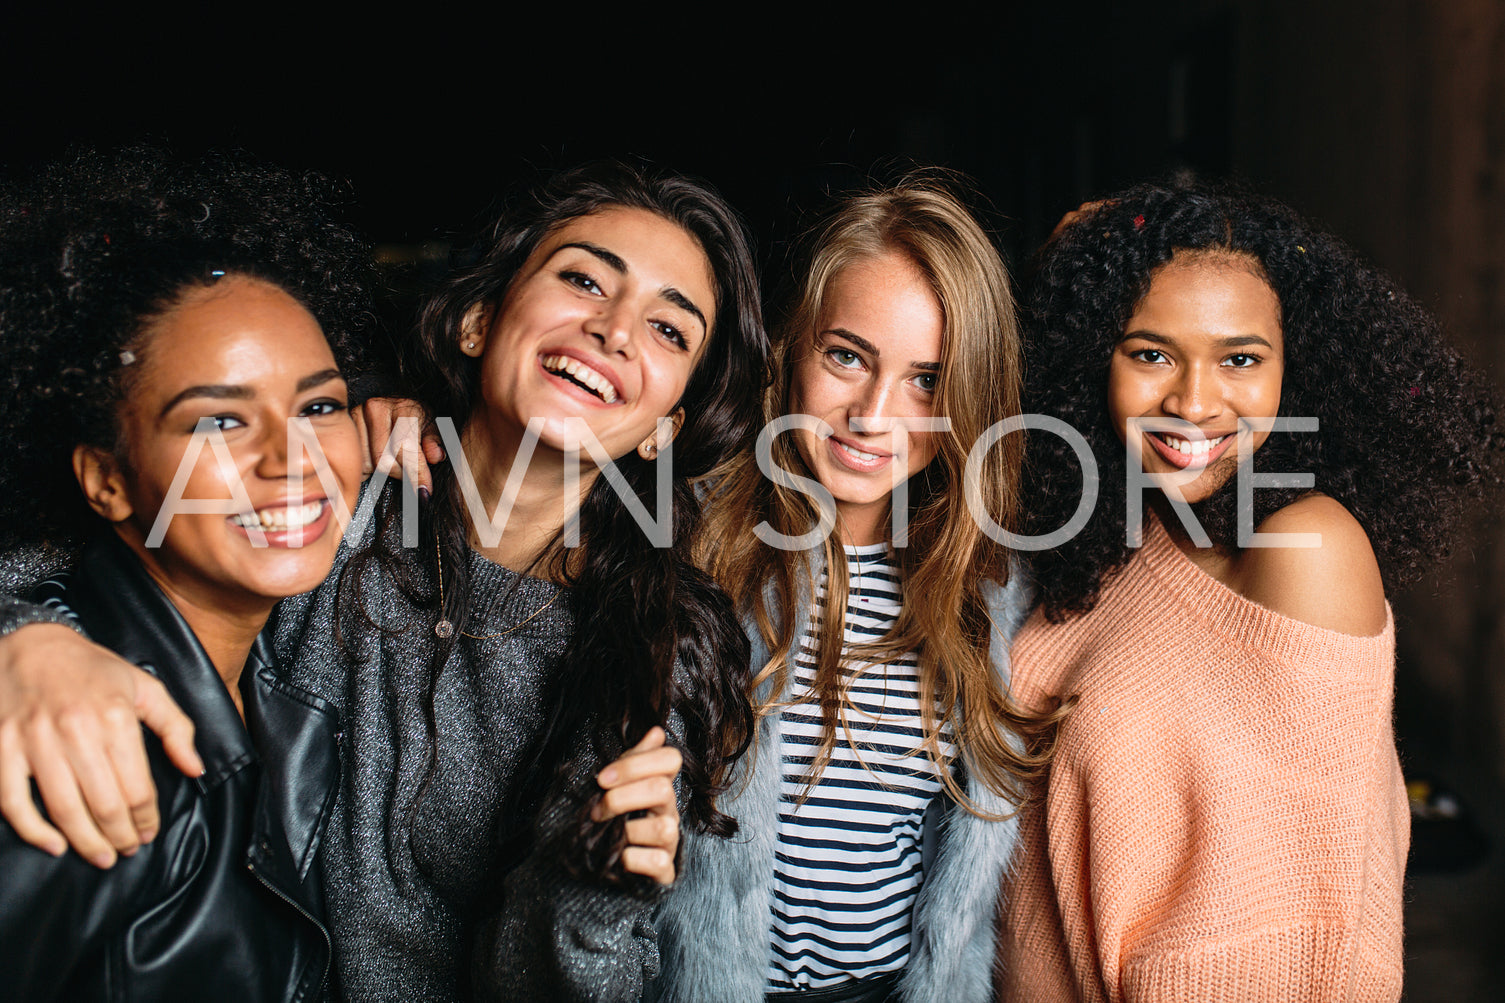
x=328, y=944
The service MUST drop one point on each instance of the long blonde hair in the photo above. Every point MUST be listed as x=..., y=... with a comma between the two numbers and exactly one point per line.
x=948, y=557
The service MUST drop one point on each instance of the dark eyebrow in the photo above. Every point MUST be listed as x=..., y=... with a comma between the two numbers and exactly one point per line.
x=682, y=301
x=612, y=261
x=872, y=349
x=214, y=391
x=314, y=379
x=1232, y=341
x=616, y=264
x=226, y=391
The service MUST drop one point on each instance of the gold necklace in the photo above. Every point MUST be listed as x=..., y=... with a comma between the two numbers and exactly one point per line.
x=446, y=630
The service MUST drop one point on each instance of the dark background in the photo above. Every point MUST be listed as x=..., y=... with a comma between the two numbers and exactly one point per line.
x=1385, y=119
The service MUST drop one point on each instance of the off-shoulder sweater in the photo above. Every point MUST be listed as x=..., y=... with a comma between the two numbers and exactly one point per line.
x=1225, y=818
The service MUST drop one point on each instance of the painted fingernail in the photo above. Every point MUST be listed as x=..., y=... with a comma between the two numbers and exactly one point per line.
x=423, y=493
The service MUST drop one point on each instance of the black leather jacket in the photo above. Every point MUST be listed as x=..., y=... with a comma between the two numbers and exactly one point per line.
x=224, y=905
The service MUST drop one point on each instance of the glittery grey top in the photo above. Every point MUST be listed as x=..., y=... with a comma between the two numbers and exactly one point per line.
x=411, y=872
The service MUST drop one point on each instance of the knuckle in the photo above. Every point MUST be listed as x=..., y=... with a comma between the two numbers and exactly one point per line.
x=117, y=716
x=75, y=721
x=112, y=816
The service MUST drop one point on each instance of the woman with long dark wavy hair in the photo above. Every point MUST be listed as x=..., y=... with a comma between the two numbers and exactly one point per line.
x=1225, y=816
x=505, y=696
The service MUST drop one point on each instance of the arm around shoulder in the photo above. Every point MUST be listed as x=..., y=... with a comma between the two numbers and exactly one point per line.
x=70, y=715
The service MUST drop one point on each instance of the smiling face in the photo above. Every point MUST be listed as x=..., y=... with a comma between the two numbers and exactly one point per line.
x=604, y=322
x=248, y=356
x=874, y=355
x=1204, y=345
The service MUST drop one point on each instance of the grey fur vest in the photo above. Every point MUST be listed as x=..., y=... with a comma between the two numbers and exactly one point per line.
x=715, y=926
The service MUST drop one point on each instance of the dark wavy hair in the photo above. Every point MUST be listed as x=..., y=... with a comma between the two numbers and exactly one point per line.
x=95, y=247
x=639, y=610
x=1407, y=429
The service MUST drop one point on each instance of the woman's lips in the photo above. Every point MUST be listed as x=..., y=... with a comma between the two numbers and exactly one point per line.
x=1196, y=453
x=578, y=375
x=286, y=525
x=854, y=457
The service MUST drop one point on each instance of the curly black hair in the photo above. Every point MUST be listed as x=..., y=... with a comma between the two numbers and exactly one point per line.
x=96, y=246
x=1407, y=429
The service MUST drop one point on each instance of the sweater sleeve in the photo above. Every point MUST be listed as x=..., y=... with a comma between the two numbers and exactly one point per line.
x=20, y=572
x=554, y=937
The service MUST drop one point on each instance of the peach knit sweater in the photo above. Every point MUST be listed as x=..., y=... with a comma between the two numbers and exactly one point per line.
x=1225, y=818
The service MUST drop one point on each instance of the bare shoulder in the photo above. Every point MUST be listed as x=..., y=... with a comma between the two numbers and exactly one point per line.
x=1336, y=586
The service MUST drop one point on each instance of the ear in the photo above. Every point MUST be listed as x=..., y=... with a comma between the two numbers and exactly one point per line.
x=103, y=483
x=650, y=446
x=474, y=327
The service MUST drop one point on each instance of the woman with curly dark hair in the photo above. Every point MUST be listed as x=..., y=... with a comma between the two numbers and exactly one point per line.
x=1225, y=816
x=160, y=328
x=505, y=697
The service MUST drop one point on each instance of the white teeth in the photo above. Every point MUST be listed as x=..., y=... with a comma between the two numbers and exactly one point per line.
x=1188, y=448
x=859, y=454
x=286, y=517
x=583, y=374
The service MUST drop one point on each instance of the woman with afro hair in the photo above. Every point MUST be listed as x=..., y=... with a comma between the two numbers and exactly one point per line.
x=161, y=326
x=1225, y=817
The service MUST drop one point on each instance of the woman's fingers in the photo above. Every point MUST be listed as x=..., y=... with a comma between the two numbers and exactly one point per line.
x=156, y=710
x=58, y=784
x=642, y=781
x=397, y=440
x=651, y=794
x=653, y=863
x=87, y=736
x=650, y=756
x=15, y=798
x=661, y=831
x=70, y=719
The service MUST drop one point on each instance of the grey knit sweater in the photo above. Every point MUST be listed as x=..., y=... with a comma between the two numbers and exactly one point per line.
x=411, y=872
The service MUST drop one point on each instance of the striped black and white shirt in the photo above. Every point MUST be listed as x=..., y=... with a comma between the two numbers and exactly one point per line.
x=847, y=866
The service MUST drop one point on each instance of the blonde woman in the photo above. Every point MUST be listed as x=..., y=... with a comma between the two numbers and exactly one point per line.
x=877, y=807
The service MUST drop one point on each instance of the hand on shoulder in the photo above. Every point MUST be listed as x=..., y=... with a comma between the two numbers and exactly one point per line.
x=1336, y=586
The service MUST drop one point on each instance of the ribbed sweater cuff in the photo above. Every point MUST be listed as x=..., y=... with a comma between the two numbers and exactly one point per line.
x=1305, y=964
